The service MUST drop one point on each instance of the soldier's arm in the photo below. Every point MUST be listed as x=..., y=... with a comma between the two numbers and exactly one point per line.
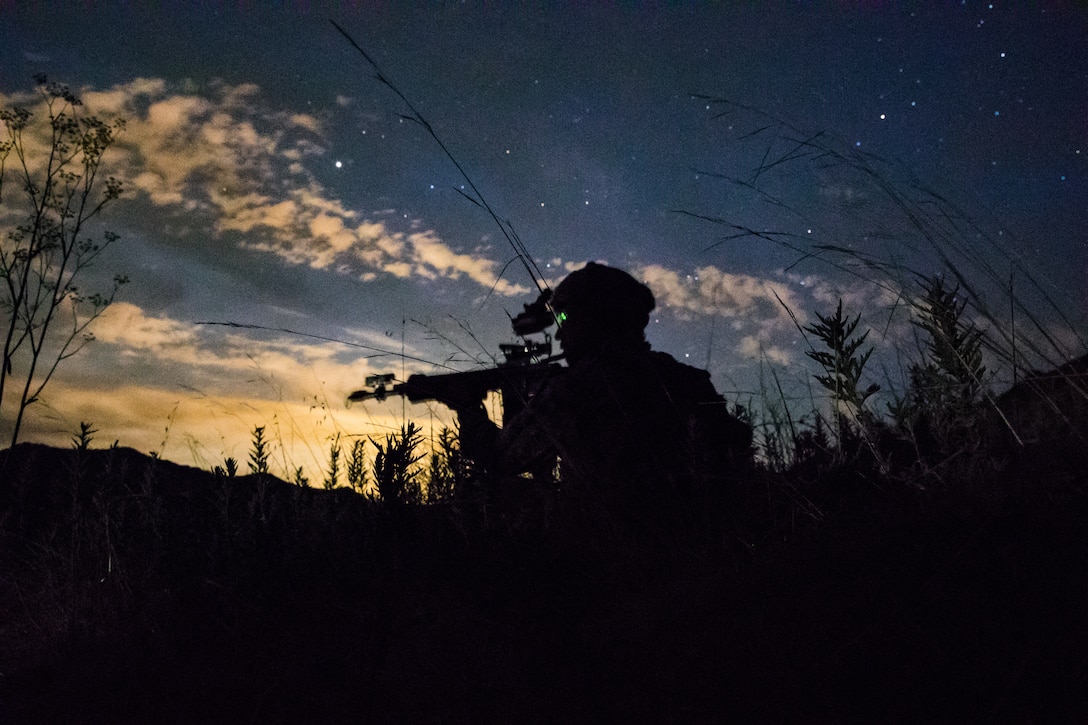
x=479, y=436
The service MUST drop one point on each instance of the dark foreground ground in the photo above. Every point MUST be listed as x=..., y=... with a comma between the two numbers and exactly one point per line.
x=133, y=590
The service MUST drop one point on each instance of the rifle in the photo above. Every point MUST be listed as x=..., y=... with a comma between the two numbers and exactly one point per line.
x=525, y=368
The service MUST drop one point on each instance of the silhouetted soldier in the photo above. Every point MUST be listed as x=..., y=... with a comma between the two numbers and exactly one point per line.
x=621, y=418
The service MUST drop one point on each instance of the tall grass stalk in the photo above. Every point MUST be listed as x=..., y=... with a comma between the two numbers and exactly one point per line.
x=1017, y=326
x=332, y=480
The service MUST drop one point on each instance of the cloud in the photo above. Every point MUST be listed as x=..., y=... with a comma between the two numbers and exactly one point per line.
x=196, y=391
x=227, y=160
x=435, y=259
x=874, y=298
x=221, y=356
x=765, y=312
x=711, y=291
x=753, y=348
x=126, y=325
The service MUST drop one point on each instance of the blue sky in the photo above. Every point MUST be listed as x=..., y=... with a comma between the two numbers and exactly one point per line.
x=273, y=181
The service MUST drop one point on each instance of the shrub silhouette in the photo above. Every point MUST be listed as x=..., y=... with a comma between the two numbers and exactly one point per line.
x=45, y=316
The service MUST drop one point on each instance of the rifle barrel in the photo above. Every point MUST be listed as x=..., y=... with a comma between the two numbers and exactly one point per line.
x=451, y=386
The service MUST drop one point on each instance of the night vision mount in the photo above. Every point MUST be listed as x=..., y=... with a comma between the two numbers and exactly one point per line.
x=536, y=317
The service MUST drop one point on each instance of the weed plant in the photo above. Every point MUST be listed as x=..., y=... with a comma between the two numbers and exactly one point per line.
x=396, y=474
x=332, y=480
x=259, y=454
x=448, y=473
x=843, y=366
x=356, y=470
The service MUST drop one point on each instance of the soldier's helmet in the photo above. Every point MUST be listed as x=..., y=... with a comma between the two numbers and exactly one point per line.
x=611, y=298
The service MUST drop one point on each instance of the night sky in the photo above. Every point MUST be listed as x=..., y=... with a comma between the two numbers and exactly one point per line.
x=717, y=152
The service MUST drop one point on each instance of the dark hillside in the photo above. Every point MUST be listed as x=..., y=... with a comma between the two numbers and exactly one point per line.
x=135, y=590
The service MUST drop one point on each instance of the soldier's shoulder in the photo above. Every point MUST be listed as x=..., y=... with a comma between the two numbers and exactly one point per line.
x=695, y=381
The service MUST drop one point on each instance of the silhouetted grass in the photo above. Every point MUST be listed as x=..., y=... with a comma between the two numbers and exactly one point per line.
x=922, y=563
x=848, y=586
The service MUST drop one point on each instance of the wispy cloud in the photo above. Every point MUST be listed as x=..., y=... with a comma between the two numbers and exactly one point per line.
x=221, y=355
x=227, y=157
x=712, y=291
x=766, y=311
